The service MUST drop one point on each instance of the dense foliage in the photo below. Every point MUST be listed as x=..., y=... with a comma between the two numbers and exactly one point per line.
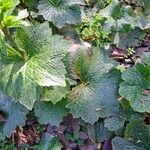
x=65, y=82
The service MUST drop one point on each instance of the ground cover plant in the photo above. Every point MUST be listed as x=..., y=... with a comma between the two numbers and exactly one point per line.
x=74, y=74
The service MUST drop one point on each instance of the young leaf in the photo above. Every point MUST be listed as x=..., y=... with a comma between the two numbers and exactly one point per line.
x=7, y=6
x=39, y=63
x=96, y=93
x=16, y=114
x=136, y=85
x=47, y=113
x=61, y=12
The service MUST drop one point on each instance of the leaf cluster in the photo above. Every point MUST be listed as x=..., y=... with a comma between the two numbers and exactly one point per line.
x=39, y=74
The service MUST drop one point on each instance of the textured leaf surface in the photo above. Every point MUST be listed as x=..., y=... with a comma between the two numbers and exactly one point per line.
x=140, y=133
x=117, y=15
x=102, y=133
x=60, y=12
x=39, y=64
x=95, y=94
x=119, y=143
x=49, y=142
x=8, y=6
x=128, y=39
x=146, y=58
x=114, y=123
x=142, y=21
x=47, y=113
x=147, y=7
x=128, y=112
x=54, y=94
x=16, y=115
x=136, y=86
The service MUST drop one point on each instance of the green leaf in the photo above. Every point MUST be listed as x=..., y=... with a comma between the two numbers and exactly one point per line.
x=119, y=143
x=114, y=123
x=37, y=62
x=136, y=86
x=2, y=42
x=142, y=21
x=146, y=58
x=16, y=115
x=60, y=12
x=96, y=92
x=47, y=113
x=7, y=6
x=129, y=113
x=32, y=5
x=54, y=94
x=147, y=7
x=139, y=132
x=102, y=133
x=49, y=142
x=117, y=14
x=15, y=21
x=129, y=39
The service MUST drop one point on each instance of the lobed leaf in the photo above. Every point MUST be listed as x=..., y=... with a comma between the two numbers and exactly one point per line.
x=47, y=113
x=96, y=93
x=60, y=12
x=16, y=115
x=136, y=85
x=139, y=132
x=39, y=62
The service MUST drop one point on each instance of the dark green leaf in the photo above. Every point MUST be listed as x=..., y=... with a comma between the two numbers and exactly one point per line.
x=16, y=114
x=136, y=87
x=47, y=113
x=114, y=123
x=102, y=133
x=60, y=12
x=119, y=143
x=96, y=93
x=130, y=38
x=49, y=142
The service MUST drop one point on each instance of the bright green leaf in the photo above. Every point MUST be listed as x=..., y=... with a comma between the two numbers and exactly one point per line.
x=54, y=94
x=39, y=63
